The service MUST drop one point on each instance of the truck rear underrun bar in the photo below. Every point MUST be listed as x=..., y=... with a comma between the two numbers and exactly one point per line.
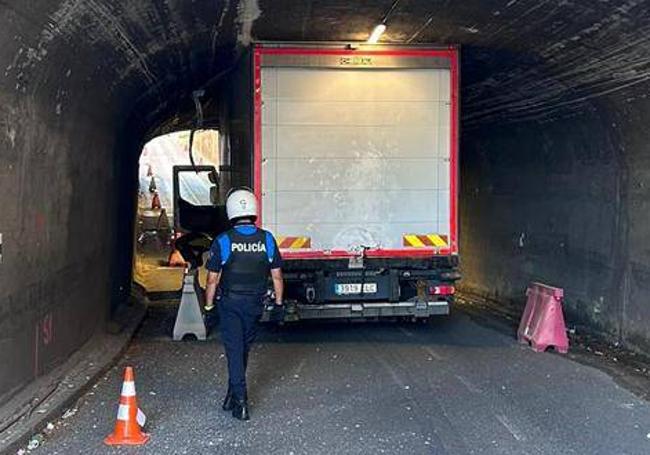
x=414, y=309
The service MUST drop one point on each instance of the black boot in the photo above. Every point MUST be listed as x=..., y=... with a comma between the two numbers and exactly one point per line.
x=240, y=410
x=228, y=402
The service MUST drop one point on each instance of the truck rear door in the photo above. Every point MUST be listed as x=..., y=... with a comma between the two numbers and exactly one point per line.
x=356, y=156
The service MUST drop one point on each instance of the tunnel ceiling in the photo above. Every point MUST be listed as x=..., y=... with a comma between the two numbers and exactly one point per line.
x=522, y=59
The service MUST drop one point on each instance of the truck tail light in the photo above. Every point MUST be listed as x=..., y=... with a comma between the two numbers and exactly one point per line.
x=442, y=290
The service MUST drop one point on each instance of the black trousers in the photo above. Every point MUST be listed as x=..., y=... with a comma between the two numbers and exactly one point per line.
x=238, y=318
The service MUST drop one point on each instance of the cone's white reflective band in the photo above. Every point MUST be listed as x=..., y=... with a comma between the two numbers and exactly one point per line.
x=123, y=412
x=141, y=418
x=128, y=389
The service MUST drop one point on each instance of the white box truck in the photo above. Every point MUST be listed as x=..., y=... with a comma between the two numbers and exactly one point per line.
x=355, y=163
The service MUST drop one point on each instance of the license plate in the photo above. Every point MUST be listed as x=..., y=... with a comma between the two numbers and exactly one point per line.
x=355, y=288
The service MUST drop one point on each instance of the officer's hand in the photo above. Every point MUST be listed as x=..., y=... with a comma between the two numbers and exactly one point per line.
x=208, y=307
x=279, y=303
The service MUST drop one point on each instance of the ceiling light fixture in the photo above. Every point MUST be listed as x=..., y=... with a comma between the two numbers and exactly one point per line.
x=376, y=34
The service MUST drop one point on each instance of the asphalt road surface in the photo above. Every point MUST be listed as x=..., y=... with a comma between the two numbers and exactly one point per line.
x=449, y=387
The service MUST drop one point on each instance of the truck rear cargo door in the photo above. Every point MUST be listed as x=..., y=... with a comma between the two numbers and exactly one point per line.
x=356, y=156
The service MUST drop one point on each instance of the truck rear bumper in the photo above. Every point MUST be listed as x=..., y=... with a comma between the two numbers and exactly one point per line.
x=357, y=310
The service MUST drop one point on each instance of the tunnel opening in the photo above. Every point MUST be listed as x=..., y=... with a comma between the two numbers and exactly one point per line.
x=155, y=267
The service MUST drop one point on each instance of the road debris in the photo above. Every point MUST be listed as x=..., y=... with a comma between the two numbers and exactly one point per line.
x=35, y=442
x=69, y=413
x=49, y=428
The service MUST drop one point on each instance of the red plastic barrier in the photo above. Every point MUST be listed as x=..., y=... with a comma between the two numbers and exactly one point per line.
x=542, y=324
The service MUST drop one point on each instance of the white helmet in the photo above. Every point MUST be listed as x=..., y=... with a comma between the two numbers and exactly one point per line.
x=241, y=203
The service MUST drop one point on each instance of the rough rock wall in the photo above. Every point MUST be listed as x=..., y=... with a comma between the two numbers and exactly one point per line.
x=83, y=84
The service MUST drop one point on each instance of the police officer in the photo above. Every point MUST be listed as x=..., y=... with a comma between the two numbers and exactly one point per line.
x=239, y=263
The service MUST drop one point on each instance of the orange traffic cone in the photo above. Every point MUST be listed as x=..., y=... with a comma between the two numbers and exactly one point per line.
x=163, y=222
x=176, y=259
x=130, y=418
x=155, y=201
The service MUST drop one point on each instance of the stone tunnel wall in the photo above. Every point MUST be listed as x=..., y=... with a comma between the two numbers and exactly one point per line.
x=57, y=220
x=67, y=176
x=83, y=85
x=563, y=201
